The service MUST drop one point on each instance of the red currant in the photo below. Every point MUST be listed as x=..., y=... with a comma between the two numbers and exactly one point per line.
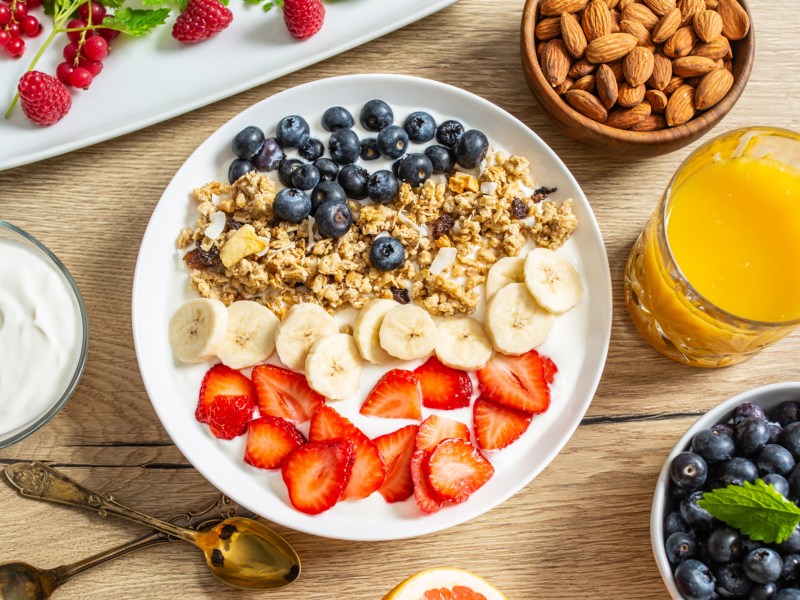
x=93, y=66
x=75, y=36
x=14, y=30
x=30, y=26
x=15, y=47
x=20, y=11
x=4, y=37
x=108, y=34
x=95, y=48
x=81, y=78
x=5, y=15
x=34, y=3
x=63, y=72
x=98, y=12
x=71, y=52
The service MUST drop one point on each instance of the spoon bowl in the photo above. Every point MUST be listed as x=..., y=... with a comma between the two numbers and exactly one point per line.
x=21, y=581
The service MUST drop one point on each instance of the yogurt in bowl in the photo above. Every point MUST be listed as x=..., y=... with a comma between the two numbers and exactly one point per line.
x=44, y=334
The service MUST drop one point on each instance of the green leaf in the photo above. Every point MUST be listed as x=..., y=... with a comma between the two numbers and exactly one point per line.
x=136, y=22
x=117, y=3
x=755, y=509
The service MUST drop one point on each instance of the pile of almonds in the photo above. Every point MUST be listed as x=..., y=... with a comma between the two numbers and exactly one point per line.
x=637, y=65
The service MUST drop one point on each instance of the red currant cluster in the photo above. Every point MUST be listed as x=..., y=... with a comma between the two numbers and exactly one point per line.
x=16, y=22
x=84, y=54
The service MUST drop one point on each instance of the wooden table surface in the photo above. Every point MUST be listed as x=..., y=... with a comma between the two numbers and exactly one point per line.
x=579, y=530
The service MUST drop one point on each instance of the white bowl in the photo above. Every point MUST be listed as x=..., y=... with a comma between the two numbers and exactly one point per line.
x=767, y=397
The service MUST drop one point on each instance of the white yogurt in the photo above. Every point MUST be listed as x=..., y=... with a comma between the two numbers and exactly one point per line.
x=40, y=335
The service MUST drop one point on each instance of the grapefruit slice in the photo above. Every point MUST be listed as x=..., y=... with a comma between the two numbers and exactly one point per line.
x=445, y=583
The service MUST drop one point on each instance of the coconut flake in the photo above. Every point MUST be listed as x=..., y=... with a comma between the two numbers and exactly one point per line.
x=421, y=229
x=266, y=246
x=444, y=258
x=216, y=225
x=311, y=240
x=382, y=234
x=488, y=188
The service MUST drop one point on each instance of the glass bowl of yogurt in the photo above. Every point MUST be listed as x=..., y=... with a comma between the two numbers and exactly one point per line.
x=44, y=334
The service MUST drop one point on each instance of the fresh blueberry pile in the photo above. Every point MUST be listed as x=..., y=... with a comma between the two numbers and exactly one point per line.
x=319, y=186
x=710, y=559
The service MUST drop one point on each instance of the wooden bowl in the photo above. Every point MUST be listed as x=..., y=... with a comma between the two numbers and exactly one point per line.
x=633, y=144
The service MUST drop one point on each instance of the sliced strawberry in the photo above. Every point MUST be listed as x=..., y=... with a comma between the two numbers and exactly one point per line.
x=434, y=429
x=284, y=393
x=443, y=387
x=220, y=380
x=396, y=449
x=368, y=470
x=497, y=426
x=456, y=469
x=428, y=501
x=269, y=440
x=550, y=369
x=316, y=473
x=396, y=396
x=228, y=416
x=518, y=382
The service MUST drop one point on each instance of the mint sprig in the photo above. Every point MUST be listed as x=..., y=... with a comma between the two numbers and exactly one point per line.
x=755, y=509
x=136, y=22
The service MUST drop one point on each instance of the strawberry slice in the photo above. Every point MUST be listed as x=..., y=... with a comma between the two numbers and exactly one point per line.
x=269, y=441
x=517, y=382
x=396, y=396
x=428, y=501
x=497, y=426
x=228, y=416
x=434, y=429
x=396, y=449
x=368, y=471
x=550, y=369
x=284, y=393
x=220, y=380
x=316, y=473
x=456, y=469
x=443, y=387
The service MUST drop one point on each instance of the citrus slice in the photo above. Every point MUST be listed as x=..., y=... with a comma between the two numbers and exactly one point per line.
x=445, y=583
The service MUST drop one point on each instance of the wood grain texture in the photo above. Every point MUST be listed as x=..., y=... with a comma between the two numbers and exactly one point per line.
x=579, y=530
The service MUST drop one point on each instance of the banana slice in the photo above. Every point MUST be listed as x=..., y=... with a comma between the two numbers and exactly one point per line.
x=303, y=325
x=333, y=367
x=367, y=327
x=553, y=281
x=514, y=322
x=251, y=335
x=408, y=332
x=461, y=343
x=197, y=329
x=510, y=269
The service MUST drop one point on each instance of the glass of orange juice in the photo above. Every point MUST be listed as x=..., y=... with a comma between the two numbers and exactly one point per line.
x=715, y=275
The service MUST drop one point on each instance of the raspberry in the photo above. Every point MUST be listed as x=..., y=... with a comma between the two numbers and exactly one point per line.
x=44, y=98
x=303, y=18
x=200, y=20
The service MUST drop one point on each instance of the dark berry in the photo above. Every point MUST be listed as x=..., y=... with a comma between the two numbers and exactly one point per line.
x=269, y=156
x=787, y=594
x=773, y=458
x=449, y=132
x=736, y=471
x=471, y=148
x=369, y=149
x=787, y=413
x=239, y=167
x=392, y=141
x=732, y=581
x=396, y=167
x=790, y=438
x=247, y=142
x=763, y=565
x=713, y=445
x=442, y=226
x=292, y=131
x=778, y=482
x=724, y=544
x=386, y=253
x=420, y=127
x=775, y=431
x=333, y=219
x=353, y=178
x=792, y=543
x=794, y=483
x=693, y=514
x=673, y=523
x=291, y=205
x=344, y=146
x=790, y=573
x=328, y=170
x=765, y=591
x=311, y=150
x=327, y=191
x=415, y=169
x=442, y=158
x=382, y=187
x=688, y=470
x=694, y=580
x=750, y=435
x=375, y=115
x=337, y=117
x=305, y=177
x=679, y=546
x=200, y=259
x=746, y=410
x=286, y=169
x=519, y=210
x=400, y=295
x=725, y=428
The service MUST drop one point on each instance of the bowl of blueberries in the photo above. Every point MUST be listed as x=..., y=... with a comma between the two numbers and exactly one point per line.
x=725, y=521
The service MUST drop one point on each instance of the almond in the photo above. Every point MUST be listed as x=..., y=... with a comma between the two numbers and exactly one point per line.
x=673, y=85
x=639, y=31
x=680, y=107
x=629, y=95
x=668, y=25
x=607, y=89
x=547, y=29
x=689, y=8
x=729, y=65
x=651, y=123
x=610, y=3
x=660, y=7
x=719, y=47
x=540, y=50
x=712, y=88
x=662, y=72
x=585, y=83
x=657, y=100
x=596, y=21
x=639, y=12
x=571, y=32
x=712, y=4
x=616, y=68
x=615, y=19
x=693, y=66
x=735, y=22
x=625, y=118
x=580, y=68
x=610, y=47
x=623, y=3
x=586, y=104
x=681, y=43
x=555, y=62
x=638, y=66
x=564, y=86
x=707, y=25
x=554, y=8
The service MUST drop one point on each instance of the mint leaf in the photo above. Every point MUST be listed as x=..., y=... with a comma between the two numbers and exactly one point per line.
x=755, y=509
x=116, y=3
x=136, y=22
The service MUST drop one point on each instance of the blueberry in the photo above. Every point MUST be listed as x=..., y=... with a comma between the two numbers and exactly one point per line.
x=291, y=205
x=248, y=142
x=292, y=131
x=787, y=413
x=792, y=543
x=746, y=410
x=775, y=431
x=724, y=544
x=449, y=132
x=750, y=435
x=694, y=581
x=415, y=169
x=794, y=483
x=778, y=482
x=336, y=118
x=392, y=141
x=791, y=569
x=471, y=148
x=688, y=470
x=732, y=581
x=442, y=158
x=375, y=115
x=749, y=545
x=420, y=127
x=765, y=591
x=679, y=546
x=344, y=146
x=773, y=458
x=238, y=168
x=286, y=169
x=382, y=187
x=270, y=155
x=763, y=565
x=353, y=179
x=790, y=438
x=736, y=471
x=725, y=428
x=674, y=523
x=386, y=253
x=333, y=219
x=693, y=514
x=396, y=167
x=305, y=177
x=327, y=191
x=787, y=594
x=328, y=170
x=312, y=150
x=369, y=149
x=713, y=445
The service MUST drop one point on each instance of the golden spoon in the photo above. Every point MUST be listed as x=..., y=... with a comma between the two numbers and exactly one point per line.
x=239, y=551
